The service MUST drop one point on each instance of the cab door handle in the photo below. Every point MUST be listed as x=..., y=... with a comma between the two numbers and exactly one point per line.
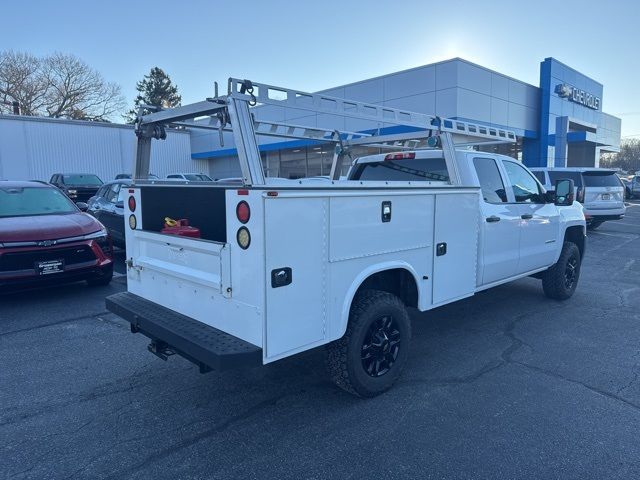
x=493, y=218
x=526, y=216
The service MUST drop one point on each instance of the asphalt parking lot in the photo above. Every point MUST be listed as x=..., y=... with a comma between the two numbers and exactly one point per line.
x=507, y=384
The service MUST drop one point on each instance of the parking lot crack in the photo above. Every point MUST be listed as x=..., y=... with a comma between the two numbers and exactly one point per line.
x=51, y=324
x=591, y=388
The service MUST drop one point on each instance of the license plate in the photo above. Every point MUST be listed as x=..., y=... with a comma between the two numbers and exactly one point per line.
x=49, y=267
x=606, y=196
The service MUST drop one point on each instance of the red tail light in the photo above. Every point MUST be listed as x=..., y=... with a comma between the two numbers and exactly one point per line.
x=243, y=212
x=132, y=203
x=400, y=156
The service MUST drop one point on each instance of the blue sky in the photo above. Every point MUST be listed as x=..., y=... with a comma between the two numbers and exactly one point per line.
x=316, y=45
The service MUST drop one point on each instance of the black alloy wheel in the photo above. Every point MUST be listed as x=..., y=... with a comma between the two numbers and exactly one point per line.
x=381, y=346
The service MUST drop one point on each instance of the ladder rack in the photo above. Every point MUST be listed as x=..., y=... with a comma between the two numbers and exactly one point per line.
x=235, y=113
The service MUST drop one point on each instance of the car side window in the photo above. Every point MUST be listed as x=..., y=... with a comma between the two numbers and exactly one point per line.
x=490, y=180
x=524, y=185
x=122, y=193
x=173, y=176
x=112, y=194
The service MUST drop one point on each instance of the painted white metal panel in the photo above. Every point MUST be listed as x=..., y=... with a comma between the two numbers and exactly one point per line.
x=35, y=148
x=410, y=83
x=447, y=102
x=473, y=104
x=296, y=313
x=456, y=224
x=446, y=75
x=474, y=77
x=357, y=229
x=194, y=277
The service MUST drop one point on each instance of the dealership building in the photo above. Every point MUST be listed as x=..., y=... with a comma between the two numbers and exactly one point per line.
x=558, y=123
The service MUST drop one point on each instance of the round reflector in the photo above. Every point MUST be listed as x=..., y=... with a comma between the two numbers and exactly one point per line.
x=132, y=203
x=244, y=237
x=133, y=223
x=243, y=212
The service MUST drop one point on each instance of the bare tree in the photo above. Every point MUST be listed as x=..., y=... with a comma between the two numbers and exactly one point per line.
x=21, y=80
x=58, y=85
x=627, y=159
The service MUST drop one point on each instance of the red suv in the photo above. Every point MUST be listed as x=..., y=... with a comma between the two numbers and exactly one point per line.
x=45, y=238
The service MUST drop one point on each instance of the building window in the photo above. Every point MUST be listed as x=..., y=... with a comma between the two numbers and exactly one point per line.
x=513, y=150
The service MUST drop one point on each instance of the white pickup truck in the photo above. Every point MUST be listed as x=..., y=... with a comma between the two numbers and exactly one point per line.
x=285, y=266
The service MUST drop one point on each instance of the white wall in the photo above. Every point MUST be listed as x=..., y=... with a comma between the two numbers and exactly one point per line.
x=35, y=148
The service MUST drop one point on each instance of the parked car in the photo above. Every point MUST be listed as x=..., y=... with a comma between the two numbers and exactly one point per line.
x=598, y=190
x=191, y=177
x=45, y=238
x=626, y=183
x=635, y=186
x=79, y=187
x=108, y=207
x=126, y=176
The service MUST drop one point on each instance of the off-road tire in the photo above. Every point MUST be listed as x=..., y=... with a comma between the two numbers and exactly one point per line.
x=554, y=281
x=344, y=356
x=102, y=280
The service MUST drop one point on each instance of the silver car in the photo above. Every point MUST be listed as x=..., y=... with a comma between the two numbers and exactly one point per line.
x=597, y=189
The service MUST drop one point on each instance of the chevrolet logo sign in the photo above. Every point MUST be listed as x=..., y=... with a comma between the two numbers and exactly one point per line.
x=573, y=94
x=47, y=243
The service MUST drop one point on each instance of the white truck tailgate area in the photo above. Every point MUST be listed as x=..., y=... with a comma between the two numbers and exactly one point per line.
x=192, y=277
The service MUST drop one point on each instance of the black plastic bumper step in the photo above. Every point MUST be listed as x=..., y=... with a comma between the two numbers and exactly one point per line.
x=198, y=342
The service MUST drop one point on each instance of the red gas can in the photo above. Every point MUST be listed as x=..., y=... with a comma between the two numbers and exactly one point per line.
x=180, y=227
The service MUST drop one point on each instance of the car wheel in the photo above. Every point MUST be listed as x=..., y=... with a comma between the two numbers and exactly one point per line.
x=560, y=281
x=371, y=355
x=102, y=279
x=593, y=225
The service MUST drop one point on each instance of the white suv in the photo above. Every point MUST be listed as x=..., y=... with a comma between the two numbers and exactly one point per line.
x=597, y=189
x=190, y=177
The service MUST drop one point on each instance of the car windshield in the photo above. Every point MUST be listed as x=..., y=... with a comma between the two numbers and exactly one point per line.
x=79, y=179
x=600, y=179
x=27, y=201
x=197, y=177
x=423, y=169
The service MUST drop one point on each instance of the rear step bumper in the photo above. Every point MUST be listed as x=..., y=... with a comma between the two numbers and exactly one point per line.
x=171, y=332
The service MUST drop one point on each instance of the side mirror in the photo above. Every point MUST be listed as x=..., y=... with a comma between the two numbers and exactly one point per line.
x=120, y=204
x=82, y=206
x=564, y=192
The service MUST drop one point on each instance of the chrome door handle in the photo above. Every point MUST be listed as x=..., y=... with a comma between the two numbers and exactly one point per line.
x=526, y=216
x=493, y=218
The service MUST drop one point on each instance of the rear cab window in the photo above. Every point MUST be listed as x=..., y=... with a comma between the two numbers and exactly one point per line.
x=493, y=190
x=600, y=179
x=410, y=169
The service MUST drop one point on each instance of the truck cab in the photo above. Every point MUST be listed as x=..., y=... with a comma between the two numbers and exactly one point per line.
x=520, y=227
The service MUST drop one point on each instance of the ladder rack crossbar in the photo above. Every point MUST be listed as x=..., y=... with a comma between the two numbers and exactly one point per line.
x=265, y=94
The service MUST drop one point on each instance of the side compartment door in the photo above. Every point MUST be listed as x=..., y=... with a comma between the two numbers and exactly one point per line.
x=499, y=249
x=539, y=221
x=296, y=247
x=455, y=241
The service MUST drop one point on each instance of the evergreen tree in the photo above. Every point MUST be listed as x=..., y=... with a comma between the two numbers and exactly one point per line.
x=155, y=89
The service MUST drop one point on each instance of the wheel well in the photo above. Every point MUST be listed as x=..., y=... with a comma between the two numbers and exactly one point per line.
x=576, y=235
x=397, y=281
